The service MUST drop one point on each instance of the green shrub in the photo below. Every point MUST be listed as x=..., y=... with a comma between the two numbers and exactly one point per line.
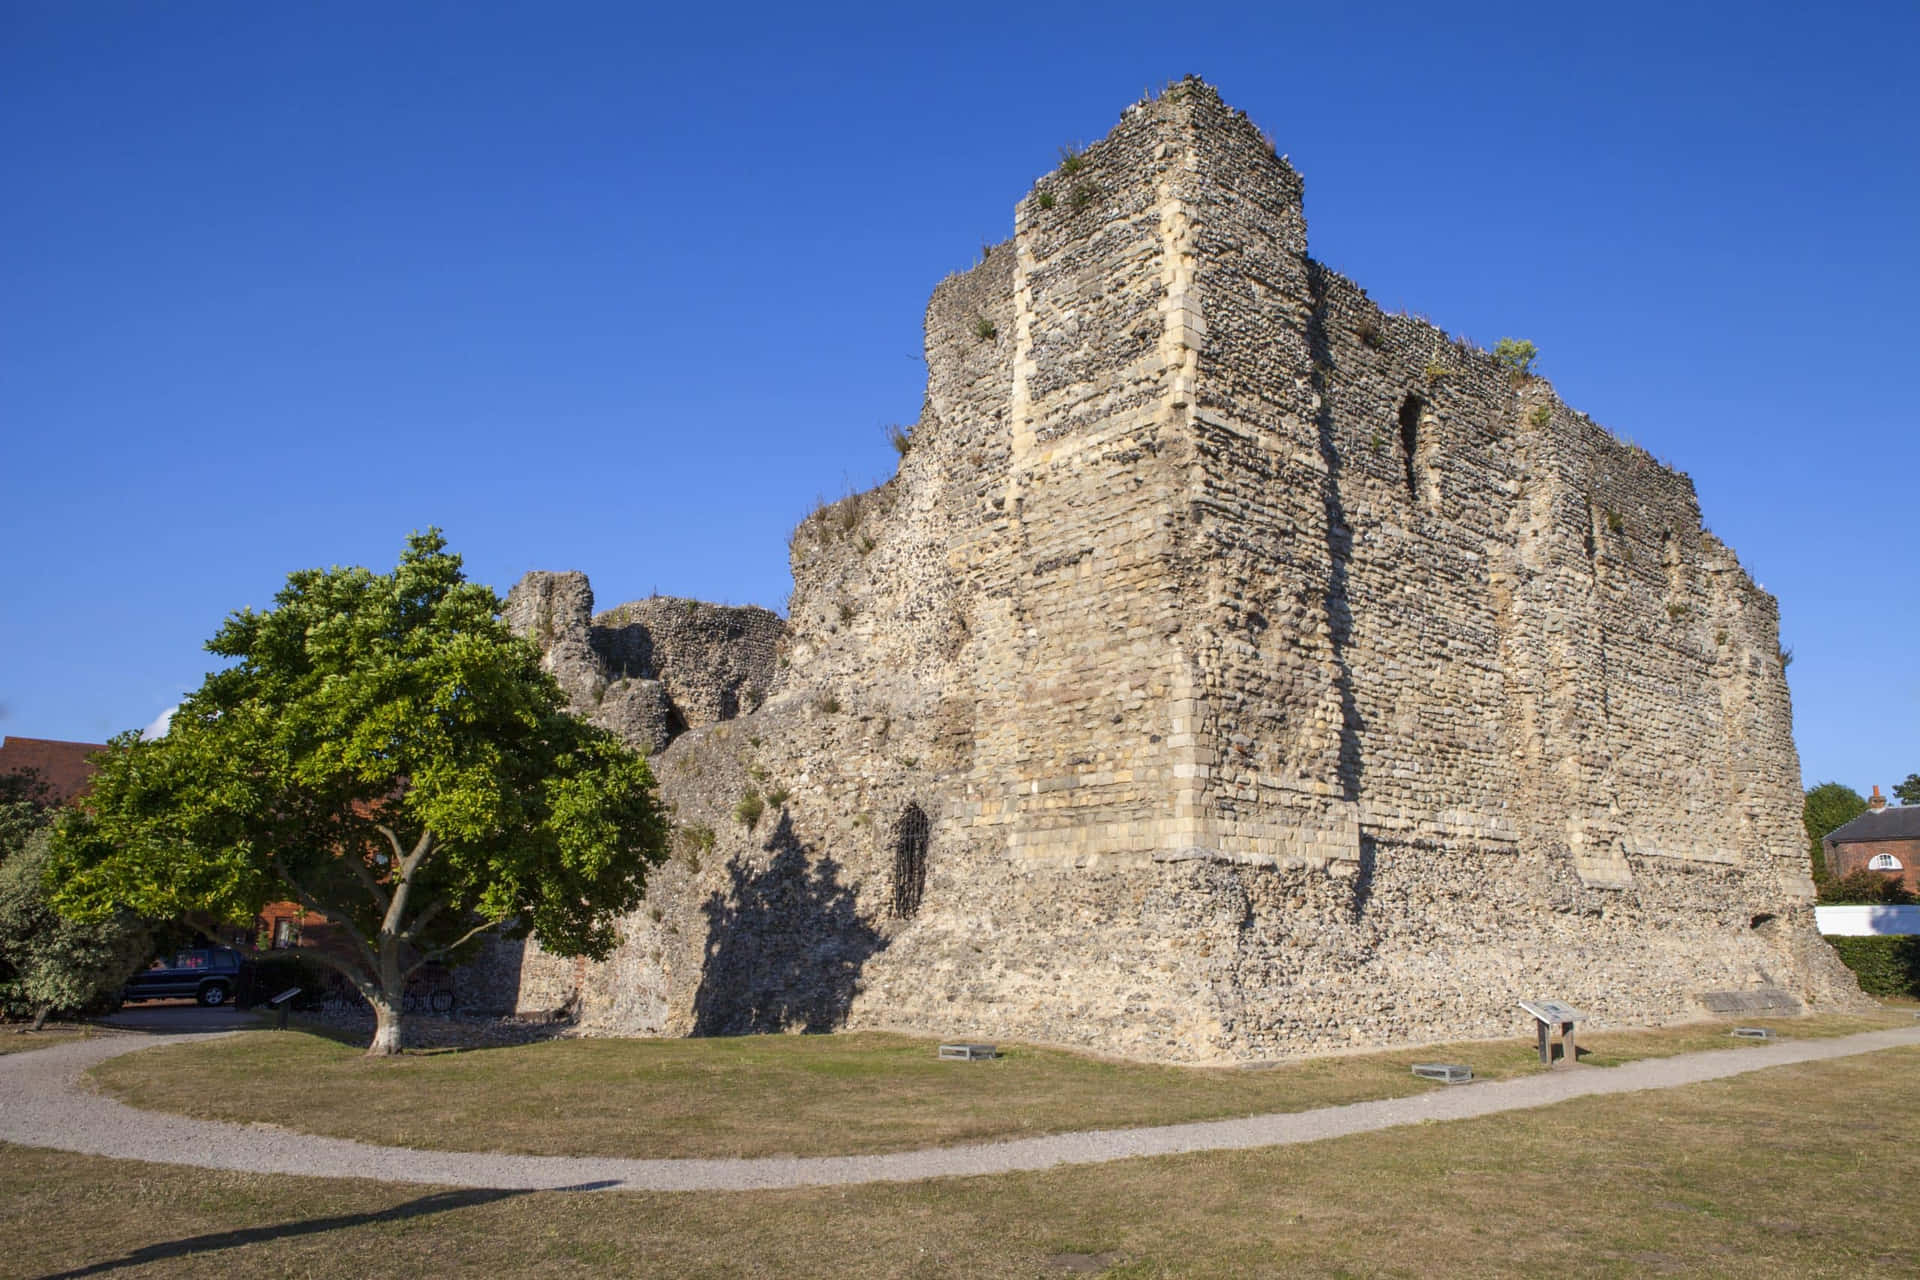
x=778, y=797
x=985, y=329
x=1517, y=354
x=1885, y=966
x=1045, y=198
x=1865, y=888
x=901, y=438
x=1072, y=160
x=1084, y=194
x=750, y=808
x=1541, y=416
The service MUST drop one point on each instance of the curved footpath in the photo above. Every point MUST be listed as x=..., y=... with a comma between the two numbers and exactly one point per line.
x=44, y=1103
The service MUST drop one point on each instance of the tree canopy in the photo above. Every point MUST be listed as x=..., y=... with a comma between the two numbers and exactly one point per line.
x=1829, y=806
x=383, y=751
x=49, y=964
x=1908, y=792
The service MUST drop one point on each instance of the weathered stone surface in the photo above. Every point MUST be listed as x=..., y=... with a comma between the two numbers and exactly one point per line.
x=1278, y=675
x=652, y=669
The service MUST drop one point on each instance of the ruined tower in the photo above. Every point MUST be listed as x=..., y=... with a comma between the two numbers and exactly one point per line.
x=1232, y=669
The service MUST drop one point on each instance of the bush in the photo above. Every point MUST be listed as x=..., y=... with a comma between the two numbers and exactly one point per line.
x=1517, y=354
x=48, y=963
x=1885, y=966
x=1865, y=888
x=748, y=811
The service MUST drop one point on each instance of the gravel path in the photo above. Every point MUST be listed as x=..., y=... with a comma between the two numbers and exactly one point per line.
x=44, y=1103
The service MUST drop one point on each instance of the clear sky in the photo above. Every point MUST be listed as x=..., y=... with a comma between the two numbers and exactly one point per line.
x=626, y=287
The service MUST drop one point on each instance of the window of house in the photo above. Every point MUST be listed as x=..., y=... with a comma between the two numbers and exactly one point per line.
x=1883, y=862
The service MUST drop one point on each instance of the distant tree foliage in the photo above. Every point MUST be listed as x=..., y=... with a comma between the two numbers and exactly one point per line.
x=1829, y=806
x=385, y=752
x=25, y=806
x=1908, y=792
x=49, y=964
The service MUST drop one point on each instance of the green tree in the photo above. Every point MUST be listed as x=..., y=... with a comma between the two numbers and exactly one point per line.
x=25, y=806
x=1908, y=792
x=1829, y=806
x=383, y=751
x=49, y=964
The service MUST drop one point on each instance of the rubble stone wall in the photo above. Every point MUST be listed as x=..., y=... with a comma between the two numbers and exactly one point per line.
x=1277, y=674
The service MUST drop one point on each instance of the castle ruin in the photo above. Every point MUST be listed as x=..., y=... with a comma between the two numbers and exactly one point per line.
x=1232, y=670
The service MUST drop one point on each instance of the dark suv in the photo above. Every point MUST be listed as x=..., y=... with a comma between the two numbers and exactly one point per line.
x=210, y=975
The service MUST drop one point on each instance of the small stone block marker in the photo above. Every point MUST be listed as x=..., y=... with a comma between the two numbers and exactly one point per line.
x=1444, y=1072
x=1547, y=1014
x=1753, y=1033
x=967, y=1052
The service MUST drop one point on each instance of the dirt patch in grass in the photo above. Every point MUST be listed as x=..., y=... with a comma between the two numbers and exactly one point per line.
x=1729, y=1177
x=856, y=1093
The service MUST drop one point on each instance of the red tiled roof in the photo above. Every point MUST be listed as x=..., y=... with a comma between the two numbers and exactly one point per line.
x=63, y=766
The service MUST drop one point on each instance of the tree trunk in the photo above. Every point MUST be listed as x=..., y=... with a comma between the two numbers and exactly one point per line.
x=40, y=1018
x=388, y=1037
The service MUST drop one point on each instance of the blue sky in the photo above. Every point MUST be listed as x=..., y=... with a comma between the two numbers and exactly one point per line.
x=596, y=287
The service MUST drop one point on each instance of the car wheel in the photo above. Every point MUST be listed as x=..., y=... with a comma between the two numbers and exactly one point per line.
x=214, y=993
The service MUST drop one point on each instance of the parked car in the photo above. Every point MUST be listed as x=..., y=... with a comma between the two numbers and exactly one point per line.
x=210, y=975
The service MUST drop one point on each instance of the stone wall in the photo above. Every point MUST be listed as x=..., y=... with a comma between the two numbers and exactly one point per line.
x=1277, y=674
x=651, y=669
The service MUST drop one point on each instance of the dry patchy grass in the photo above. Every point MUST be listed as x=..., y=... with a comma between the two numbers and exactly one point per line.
x=20, y=1039
x=852, y=1093
x=1771, y=1174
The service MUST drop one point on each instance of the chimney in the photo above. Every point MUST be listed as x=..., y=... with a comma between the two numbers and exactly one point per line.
x=1876, y=802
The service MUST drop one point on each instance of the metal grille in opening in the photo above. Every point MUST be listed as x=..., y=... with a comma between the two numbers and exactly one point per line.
x=909, y=862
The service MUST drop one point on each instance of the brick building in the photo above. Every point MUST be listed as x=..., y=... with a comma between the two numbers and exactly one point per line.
x=65, y=767
x=1886, y=838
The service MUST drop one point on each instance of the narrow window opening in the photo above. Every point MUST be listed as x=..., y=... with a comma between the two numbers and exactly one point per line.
x=1410, y=409
x=909, y=862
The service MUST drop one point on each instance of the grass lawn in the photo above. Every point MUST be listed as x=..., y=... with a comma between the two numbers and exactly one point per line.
x=1793, y=1171
x=773, y=1095
x=19, y=1039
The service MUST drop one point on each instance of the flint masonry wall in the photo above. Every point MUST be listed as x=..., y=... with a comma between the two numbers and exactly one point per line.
x=1277, y=675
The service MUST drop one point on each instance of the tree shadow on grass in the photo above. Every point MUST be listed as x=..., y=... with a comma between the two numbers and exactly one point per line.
x=214, y=1242
x=785, y=945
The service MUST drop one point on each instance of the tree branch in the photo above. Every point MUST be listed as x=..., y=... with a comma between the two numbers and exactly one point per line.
x=419, y=854
x=420, y=921
x=365, y=876
x=403, y=884
x=392, y=839
x=311, y=903
x=474, y=932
